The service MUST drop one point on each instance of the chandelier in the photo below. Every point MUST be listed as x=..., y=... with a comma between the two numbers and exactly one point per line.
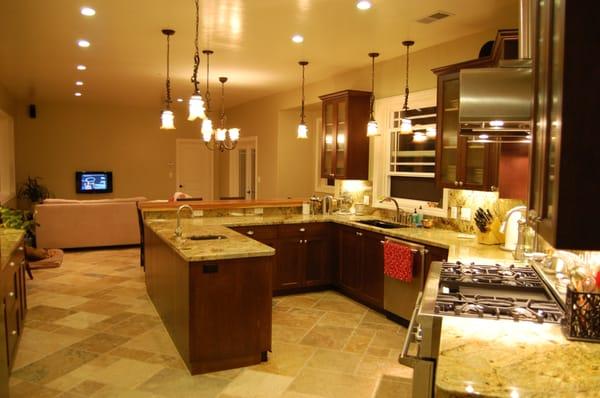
x=196, y=104
x=167, y=118
x=223, y=139
x=372, y=129
x=302, y=129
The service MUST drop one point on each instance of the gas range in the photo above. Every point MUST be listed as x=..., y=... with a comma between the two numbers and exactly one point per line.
x=495, y=292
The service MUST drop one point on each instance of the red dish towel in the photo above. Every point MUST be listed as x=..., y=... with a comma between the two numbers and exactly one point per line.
x=397, y=261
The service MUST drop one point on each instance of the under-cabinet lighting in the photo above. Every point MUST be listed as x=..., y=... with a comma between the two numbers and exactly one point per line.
x=83, y=43
x=363, y=5
x=88, y=11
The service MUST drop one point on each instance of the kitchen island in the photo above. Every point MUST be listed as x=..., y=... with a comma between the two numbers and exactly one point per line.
x=212, y=289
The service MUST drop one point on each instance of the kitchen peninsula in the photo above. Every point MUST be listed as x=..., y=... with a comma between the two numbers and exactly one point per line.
x=212, y=290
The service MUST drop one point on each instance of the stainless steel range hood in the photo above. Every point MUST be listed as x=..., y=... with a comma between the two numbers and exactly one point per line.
x=496, y=103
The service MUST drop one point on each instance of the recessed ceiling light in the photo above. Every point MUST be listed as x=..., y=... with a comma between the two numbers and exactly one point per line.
x=297, y=38
x=88, y=11
x=363, y=4
x=179, y=99
x=83, y=43
x=79, y=83
x=78, y=94
x=81, y=67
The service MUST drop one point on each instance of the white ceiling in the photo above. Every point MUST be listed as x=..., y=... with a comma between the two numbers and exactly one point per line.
x=251, y=40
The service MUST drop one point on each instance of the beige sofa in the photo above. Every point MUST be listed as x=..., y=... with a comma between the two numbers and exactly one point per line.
x=65, y=223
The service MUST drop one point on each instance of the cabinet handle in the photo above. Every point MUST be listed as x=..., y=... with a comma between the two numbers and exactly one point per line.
x=250, y=232
x=12, y=264
x=302, y=229
x=14, y=332
x=382, y=242
x=21, y=248
x=455, y=183
x=11, y=294
x=358, y=233
x=305, y=241
x=493, y=188
x=300, y=241
x=460, y=183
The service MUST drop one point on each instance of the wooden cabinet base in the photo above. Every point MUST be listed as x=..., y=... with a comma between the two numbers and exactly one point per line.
x=218, y=313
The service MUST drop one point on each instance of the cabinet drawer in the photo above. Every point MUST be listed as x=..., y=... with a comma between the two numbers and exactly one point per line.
x=258, y=232
x=13, y=330
x=303, y=230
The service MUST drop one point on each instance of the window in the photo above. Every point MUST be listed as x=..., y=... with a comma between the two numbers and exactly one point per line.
x=404, y=166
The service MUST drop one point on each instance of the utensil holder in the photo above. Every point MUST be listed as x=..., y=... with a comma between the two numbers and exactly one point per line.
x=582, y=316
x=491, y=237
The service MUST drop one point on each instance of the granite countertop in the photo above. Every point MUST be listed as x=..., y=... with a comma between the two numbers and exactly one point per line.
x=458, y=248
x=235, y=245
x=503, y=358
x=9, y=240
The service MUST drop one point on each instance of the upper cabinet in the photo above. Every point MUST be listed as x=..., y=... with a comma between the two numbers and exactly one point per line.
x=345, y=145
x=565, y=169
x=460, y=163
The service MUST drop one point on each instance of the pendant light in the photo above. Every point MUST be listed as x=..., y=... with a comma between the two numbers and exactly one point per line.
x=302, y=129
x=372, y=129
x=223, y=139
x=196, y=104
x=166, y=118
x=207, y=129
x=406, y=125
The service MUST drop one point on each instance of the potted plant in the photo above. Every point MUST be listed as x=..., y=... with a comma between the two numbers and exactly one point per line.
x=33, y=191
x=19, y=219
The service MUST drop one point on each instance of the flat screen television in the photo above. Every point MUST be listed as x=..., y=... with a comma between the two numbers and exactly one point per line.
x=93, y=181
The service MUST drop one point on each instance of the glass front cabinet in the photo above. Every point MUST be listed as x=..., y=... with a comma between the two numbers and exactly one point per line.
x=345, y=145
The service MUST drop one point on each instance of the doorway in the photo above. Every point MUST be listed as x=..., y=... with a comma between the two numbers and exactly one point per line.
x=194, y=168
x=242, y=169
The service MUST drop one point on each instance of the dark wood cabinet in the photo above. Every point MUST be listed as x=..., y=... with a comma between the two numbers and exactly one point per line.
x=345, y=145
x=460, y=163
x=361, y=265
x=565, y=170
x=317, y=260
x=288, y=271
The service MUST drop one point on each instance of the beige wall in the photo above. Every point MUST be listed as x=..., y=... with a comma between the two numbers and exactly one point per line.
x=269, y=117
x=7, y=103
x=126, y=140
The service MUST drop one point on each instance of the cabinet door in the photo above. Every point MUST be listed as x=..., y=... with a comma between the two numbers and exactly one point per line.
x=479, y=165
x=372, y=269
x=341, y=139
x=447, y=173
x=316, y=266
x=350, y=257
x=288, y=269
x=328, y=146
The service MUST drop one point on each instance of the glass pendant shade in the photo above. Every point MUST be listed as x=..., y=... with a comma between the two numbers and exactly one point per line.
x=372, y=128
x=196, y=108
x=406, y=126
x=302, y=131
x=207, y=127
x=234, y=134
x=220, y=135
x=206, y=137
x=419, y=137
x=430, y=132
x=328, y=139
x=167, y=120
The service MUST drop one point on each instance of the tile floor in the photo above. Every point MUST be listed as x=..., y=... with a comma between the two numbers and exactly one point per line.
x=91, y=331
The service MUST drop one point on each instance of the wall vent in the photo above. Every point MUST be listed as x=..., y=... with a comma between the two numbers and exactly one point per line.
x=436, y=16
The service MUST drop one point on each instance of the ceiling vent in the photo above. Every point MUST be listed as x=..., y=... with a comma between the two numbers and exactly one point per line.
x=436, y=16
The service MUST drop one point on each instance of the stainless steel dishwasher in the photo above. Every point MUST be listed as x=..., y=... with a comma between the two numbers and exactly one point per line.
x=399, y=297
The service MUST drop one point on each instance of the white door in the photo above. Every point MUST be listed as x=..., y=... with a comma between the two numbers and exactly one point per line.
x=194, y=168
x=242, y=169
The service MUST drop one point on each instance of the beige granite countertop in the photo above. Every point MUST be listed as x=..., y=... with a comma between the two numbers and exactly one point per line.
x=9, y=238
x=503, y=358
x=235, y=245
x=458, y=248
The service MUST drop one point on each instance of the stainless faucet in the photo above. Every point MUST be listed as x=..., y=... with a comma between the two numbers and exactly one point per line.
x=327, y=204
x=178, y=228
x=395, y=202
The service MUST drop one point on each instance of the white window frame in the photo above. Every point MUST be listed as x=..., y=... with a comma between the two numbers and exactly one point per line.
x=380, y=146
x=7, y=158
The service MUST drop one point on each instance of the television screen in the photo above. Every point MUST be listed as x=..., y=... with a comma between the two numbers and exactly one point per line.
x=93, y=181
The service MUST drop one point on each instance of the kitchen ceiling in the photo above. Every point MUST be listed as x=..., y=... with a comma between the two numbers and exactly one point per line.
x=251, y=40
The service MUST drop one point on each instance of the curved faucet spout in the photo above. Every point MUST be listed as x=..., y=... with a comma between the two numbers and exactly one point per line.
x=178, y=228
x=395, y=202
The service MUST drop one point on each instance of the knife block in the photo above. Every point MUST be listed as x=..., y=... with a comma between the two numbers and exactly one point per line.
x=493, y=236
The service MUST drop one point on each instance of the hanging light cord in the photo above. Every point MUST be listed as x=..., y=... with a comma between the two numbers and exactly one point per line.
x=302, y=114
x=168, y=101
x=406, y=91
x=372, y=83
x=194, y=78
x=207, y=95
x=222, y=104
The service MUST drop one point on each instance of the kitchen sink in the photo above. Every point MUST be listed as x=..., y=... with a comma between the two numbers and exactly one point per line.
x=382, y=224
x=206, y=237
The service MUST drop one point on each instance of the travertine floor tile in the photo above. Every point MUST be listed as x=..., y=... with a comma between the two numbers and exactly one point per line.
x=286, y=359
x=175, y=383
x=126, y=373
x=337, y=305
x=334, y=361
x=30, y=390
x=81, y=320
x=332, y=385
x=257, y=384
x=332, y=337
x=53, y=366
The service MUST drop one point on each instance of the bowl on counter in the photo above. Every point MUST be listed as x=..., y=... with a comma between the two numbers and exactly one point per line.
x=427, y=222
